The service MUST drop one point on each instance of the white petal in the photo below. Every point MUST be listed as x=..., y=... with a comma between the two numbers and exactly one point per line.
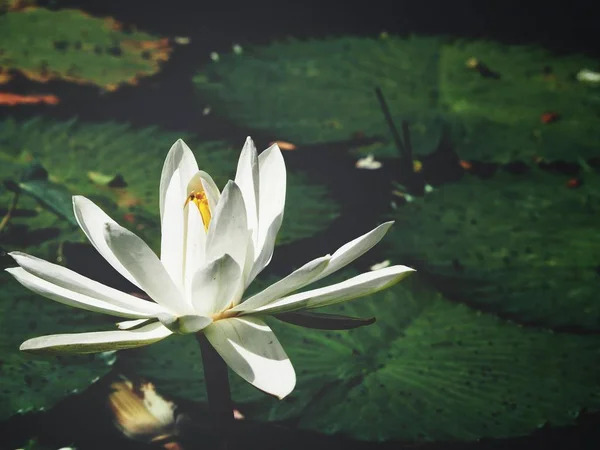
x=216, y=286
x=128, y=324
x=180, y=158
x=72, y=298
x=146, y=268
x=195, y=246
x=355, y=248
x=204, y=182
x=172, y=232
x=67, y=279
x=294, y=281
x=92, y=221
x=263, y=258
x=100, y=341
x=228, y=230
x=247, y=179
x=271, y=202
x=190, y=323
x=358, y=286
x=251, y=349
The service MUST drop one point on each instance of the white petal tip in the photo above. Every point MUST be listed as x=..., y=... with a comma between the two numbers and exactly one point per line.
x=282, y=390
x=78, y=199
x=31, y=346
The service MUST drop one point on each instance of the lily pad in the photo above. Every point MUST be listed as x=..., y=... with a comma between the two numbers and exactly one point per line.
x=314, y=91
x=321, y=90
x=428, y=369
x=525, y=246
x=73, y=46
x=502, y=118
x=33, y=382
x=70, y=150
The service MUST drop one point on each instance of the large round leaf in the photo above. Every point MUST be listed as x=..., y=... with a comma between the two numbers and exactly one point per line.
x=525, y=246
x=33, y=382
x=449, y=374
x=501, y=118
x=119, y=168
x=428, y=369
x=314, y=91
x=73, y=46
x=311, y=91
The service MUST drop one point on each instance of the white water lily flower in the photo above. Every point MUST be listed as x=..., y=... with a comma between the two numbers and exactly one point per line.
x=213, y=245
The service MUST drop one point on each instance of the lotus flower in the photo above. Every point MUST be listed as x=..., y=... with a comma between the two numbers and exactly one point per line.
x=213, y=245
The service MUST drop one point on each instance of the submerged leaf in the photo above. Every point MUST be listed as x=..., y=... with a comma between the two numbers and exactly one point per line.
x=54, y=196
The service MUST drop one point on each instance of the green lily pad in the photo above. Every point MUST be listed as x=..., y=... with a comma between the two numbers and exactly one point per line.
x=501, y=118
x=71, y=45
x=69, y=151
x=428, y=369
x=449, y=374
x=314, y=91
x=33, y=382
x=525, y=246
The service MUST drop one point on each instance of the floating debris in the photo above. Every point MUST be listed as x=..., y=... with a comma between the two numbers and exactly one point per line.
x=237, y=49
x=182, y=40
x=381, y=265
x=403, y=195
x=467, y=165
x=588, y=76
x=206, y=111
x=368, y=162
x=10, y=99
x=474, y=64
x=110, y=180
x=549, y=117
x=574, y=183
x=214, y=56
x=417, y=166
x=284, y=145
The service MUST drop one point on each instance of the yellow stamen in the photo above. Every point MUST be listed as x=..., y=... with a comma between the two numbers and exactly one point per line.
x=199, y=198
x=226, y=314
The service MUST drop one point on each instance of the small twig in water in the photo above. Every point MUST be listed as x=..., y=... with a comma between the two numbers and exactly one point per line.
x=11, y=210
x=407, y=144
x=388, y=117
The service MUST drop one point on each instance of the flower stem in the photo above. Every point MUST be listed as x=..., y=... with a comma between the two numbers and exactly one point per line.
x=216, y=378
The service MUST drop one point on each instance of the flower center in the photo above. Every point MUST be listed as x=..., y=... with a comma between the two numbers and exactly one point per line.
x=199, y=198
x=225, y=314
